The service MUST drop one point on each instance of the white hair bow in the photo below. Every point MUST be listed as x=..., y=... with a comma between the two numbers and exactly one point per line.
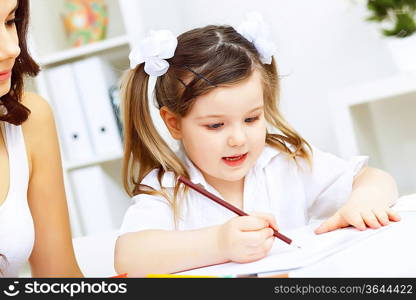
x=153, y=51
x=255, y=30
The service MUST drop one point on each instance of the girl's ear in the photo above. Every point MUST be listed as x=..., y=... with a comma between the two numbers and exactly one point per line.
x=172, y=122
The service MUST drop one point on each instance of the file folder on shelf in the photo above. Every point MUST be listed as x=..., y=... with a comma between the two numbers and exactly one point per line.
x=92, y=200
x=94, y=78
x=70, y=116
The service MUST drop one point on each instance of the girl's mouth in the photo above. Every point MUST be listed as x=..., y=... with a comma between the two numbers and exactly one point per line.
x=234, y=161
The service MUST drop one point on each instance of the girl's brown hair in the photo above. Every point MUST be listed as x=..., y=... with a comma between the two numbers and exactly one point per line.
x=204, y=58
x=16, y=113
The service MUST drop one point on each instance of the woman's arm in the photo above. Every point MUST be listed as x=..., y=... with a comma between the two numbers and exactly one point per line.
x=53, y=254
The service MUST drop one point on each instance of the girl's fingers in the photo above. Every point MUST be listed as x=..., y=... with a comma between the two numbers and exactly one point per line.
x=251, y=223
x=382, y=217
x=263, y=249
x=268, y=244
x=334, y=222
x=268, y=217
x=373, y=219
x=370, y=219
x=355, y=219
x=257, y=238
x=267, y=233
x=393, y=216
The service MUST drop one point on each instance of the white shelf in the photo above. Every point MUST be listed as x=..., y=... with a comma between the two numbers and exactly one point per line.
x=400, y=84
x=89, y=49
x=70, y=166
x=50, y=47
x=377, y=119
x=342, y=101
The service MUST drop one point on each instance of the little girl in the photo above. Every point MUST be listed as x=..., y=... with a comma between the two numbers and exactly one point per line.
x=216, y=88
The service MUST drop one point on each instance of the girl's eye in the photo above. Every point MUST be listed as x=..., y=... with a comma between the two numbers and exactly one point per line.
x=251, y=120
x=218, y=125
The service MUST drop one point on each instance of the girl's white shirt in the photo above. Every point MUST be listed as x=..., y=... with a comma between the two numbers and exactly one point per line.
x=294, y=194
x=17, y=233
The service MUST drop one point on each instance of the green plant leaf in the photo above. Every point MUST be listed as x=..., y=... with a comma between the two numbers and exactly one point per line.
x=402, y=13
x=404, y=26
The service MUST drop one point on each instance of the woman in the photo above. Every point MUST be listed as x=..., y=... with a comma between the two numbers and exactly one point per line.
x=34, y=222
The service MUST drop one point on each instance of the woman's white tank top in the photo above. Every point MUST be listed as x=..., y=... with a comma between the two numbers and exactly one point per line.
x=16, y=223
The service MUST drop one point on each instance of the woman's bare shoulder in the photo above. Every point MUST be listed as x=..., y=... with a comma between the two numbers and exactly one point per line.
x=39, y=129
x=40, y=109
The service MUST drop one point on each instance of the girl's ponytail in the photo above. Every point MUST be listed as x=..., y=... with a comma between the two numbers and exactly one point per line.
x=144, y=148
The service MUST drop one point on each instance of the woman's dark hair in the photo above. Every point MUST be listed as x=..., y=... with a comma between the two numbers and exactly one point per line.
x=16, y=113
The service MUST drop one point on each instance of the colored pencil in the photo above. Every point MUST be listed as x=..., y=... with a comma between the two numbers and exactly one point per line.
x=229, y=206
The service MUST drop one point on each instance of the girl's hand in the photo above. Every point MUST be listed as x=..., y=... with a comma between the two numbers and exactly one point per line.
x=361, y=212
x=247, y=238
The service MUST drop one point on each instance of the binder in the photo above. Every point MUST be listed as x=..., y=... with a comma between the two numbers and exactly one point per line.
x=115, y=99
x=71, y=120
x=89, y=189
x=94, y=79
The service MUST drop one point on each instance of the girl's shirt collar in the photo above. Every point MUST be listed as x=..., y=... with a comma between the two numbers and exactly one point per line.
x=168, y=180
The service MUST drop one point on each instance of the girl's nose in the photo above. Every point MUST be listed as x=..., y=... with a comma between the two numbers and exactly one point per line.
x=237, y=137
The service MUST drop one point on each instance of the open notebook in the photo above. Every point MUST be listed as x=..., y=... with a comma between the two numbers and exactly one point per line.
x=315, y=248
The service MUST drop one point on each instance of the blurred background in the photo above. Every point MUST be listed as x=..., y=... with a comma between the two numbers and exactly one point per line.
x=346, y=86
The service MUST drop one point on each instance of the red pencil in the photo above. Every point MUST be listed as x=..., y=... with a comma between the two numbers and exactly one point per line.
x=234, y=209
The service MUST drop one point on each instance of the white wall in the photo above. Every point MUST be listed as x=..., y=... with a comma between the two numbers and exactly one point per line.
x=323, y=45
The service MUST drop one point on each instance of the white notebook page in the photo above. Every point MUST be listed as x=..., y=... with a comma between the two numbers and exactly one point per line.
x=284, y=257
